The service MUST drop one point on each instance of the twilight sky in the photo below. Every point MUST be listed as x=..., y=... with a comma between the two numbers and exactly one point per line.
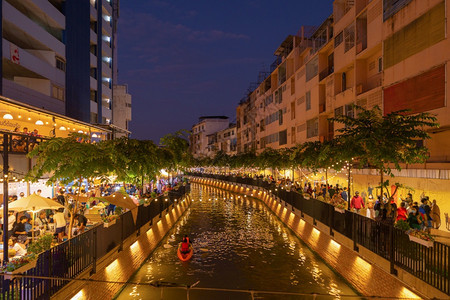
x=185, y=59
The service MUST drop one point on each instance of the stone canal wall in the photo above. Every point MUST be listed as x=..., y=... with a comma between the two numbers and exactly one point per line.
x=367, y=272
x=118, y=266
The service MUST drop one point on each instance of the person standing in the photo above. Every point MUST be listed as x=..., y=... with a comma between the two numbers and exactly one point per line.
x=11, y=222
x=344, y=194
x=357, y=202
x=60, y=224
x=61, y=199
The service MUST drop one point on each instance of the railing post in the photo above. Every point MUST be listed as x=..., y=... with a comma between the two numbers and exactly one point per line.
x=391, y=250
x=94, y=256
x=354, y=226
x=331, y=212
x=121, y=234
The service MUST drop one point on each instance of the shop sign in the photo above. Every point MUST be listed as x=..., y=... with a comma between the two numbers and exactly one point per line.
x=14, y=54
x=9, y=124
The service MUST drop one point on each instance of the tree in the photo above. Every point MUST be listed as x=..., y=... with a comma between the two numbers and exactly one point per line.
x=178, y=144
x=67, y=160
x=379, y=140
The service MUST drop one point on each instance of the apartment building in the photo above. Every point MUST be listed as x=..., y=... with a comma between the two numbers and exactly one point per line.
x=391, y=53
x=121, y=110
x=33, y=49
x=58, y=56
x=203, y=136
x=226, y=140
x=91, y=31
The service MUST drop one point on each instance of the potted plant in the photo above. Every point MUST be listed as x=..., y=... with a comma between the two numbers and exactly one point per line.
x=109, y=220
x=19, y=265
x=421, y=237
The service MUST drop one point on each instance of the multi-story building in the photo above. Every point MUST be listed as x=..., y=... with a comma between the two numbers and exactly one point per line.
x=90, y=25
x=226, y=140
x=201, y=143
x=58, y=55
x=33, y=49
x=391, y=53
x=121, y=111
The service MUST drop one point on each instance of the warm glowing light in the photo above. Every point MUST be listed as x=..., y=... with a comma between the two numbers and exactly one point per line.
x=112, y=266
x=39, y=122
x=8, y=117
x=62, y=128
x=361, y=263
x=94, y=135
x=80, y=295
x=405, y=293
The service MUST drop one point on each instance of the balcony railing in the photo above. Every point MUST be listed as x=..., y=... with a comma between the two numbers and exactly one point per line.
x=325, y=72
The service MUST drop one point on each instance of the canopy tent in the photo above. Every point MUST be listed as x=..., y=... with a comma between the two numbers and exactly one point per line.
x=123, y=200
x=34, y=203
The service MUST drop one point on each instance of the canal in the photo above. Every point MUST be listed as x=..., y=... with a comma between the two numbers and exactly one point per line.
x=239, y=245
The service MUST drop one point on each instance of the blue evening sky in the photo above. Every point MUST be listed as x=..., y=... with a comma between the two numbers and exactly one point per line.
x=186, y=59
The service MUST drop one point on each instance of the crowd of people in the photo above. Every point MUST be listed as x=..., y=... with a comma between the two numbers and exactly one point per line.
x=22, y=143
x=424, y=215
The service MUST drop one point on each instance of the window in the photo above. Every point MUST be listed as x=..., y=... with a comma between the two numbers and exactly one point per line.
x=94, y=118
x=280, y=117
x=339, y=111
x=349, y=37
x=94, y=73
x=380, y=64
x=338, y=39
x=292, y=135
x=60, y=64
x=58, y=92
x=292, y=110
x=312, y=128
x=283, y=137
x=261, y=125
x=94, y=96
x=344, y=82
x=308, y=100
x=312, y=68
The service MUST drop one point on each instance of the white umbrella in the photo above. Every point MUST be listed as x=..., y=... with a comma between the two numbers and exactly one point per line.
x=34, y=203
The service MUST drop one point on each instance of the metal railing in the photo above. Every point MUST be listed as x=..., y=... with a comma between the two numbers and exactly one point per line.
x=73, y=257
x=430, y=264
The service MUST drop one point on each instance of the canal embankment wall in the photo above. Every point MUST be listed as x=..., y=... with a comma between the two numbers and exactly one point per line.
x=367, y=272
x=117, y=267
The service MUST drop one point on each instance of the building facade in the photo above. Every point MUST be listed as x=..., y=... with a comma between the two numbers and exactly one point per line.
x=392, y=53
x=33, y=49
x=58, y=55
x=226, y=140
x=121, y=110
x=203, y=136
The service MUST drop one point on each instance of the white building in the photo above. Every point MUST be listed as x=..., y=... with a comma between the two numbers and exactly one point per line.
x=207, y=125
x=121, y=110
x=227, y=140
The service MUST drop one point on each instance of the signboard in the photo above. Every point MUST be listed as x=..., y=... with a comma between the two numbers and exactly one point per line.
x=14, y=54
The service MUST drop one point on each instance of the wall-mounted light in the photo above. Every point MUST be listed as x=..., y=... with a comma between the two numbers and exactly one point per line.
x=94, y=135
x=39, y=122
x=80, y=131
x=8, y=116
x=62, y=128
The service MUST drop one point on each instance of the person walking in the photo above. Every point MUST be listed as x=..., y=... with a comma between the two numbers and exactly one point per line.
x=357, y=202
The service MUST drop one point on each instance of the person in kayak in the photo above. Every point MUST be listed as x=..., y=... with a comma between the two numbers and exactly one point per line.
x=185, y=244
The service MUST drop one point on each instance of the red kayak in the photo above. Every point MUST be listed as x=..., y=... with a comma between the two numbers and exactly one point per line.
x=185, y=256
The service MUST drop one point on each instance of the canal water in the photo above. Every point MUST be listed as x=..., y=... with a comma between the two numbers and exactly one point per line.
x=239, y=246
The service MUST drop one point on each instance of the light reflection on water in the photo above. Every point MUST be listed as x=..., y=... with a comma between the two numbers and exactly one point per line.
x=239, y=244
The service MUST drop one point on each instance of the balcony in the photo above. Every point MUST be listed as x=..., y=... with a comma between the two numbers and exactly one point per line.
x=93, y=84
x=93, y=37
x=30, y=65
x=371, y=83
x=31, y=34
x=106, y=26
x=326, y=72
x=32, y=97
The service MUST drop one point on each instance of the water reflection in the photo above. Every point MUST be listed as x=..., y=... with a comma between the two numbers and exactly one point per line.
x=239, y=244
